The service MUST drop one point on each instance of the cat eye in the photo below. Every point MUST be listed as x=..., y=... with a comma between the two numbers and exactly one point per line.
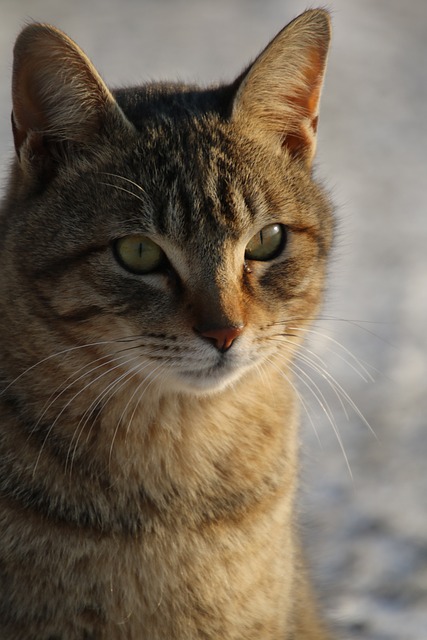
x=138, y=254
x=267, y=244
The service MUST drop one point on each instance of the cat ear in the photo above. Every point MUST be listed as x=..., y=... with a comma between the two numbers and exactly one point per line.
x=58, y=96
x=278, y=96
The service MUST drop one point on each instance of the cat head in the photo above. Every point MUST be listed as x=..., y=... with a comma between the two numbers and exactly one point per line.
x=173, y=231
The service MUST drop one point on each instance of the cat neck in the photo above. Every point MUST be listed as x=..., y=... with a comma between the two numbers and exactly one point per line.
x=246, y=431
x=194, y=456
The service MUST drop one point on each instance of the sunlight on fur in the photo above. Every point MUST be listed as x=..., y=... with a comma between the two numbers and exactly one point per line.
x=163, y=256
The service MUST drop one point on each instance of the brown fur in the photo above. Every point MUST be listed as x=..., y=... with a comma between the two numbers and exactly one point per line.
x=147, y=473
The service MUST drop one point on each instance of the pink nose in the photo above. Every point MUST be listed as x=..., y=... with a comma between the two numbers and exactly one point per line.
x=222, y=338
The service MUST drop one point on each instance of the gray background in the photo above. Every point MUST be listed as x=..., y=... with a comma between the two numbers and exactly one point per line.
x=366, y=529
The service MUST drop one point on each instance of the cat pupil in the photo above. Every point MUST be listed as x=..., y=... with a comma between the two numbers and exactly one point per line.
x=138, y=254
x=267, y=244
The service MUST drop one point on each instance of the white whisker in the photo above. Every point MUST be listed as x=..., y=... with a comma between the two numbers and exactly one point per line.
x=323, y=403
x=116, y=186
x=57, y=355
x=340, y=392
x=67, y=404
x=353, y=358
x=123, y=189
x=126, y=376
x=119, y=177
x=50, y=402
x=160, y=366
x=298, y=395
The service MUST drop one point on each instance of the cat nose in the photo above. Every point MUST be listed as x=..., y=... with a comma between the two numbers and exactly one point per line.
x=222, y=337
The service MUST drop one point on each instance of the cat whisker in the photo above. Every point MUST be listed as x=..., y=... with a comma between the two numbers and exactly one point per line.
x=67, y=404
x=357, y=322
x=320, y=398
x=57, y=354
x=116, y=186
x=358, y=366
x=260, y=366
x=316, y=363
x=123, y=189
x=143, y=345
x=318, y=366
x=338, y=389
x=119, y=177
x=54, y=397
x=317, y=393
x=116, y=384
x=115, y=387
x=298, y=395
x=161, y=366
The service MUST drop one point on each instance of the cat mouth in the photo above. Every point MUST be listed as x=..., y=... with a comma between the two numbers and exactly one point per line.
x=212, y=378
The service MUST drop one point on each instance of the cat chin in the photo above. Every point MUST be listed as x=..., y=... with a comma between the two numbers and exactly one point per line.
x=206, y=382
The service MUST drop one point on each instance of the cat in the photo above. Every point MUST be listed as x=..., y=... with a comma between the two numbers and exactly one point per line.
x=163, y=249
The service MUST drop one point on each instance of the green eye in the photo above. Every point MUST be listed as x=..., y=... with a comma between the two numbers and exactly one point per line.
x=138, y=254
x=267, y=244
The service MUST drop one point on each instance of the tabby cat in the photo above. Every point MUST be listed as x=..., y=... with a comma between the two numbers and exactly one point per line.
x=163, y=249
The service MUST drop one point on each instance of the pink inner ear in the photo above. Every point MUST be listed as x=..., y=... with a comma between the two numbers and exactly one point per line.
x=306, y=104
x=279, y=95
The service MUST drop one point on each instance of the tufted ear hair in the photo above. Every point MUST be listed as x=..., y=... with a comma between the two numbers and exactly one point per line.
x=278, y=95
x=58, y=96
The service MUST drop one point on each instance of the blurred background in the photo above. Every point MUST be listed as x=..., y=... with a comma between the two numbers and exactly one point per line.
x=364, y=488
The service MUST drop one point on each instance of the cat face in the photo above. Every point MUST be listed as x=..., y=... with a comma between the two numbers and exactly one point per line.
x=177, y=229
x=216, y=239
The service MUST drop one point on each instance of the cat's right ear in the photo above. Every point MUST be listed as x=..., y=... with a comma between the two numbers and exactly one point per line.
x=60, y=103
x=278, y=97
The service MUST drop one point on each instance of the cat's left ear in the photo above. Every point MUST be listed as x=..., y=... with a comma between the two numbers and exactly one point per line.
x=60, y=102
x=278, y=96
